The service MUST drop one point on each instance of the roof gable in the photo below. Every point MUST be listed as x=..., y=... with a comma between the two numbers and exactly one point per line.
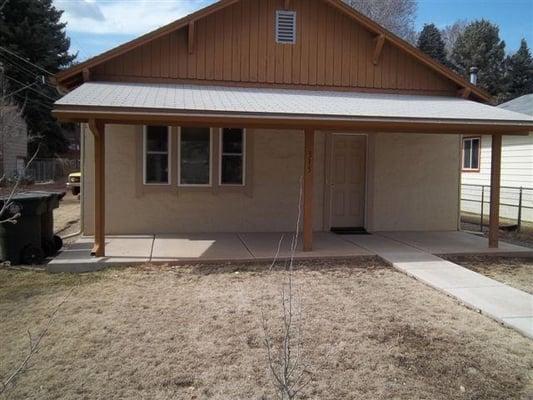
x=234, y=41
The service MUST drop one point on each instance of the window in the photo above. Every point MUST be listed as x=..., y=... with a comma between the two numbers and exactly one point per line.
x=471, y=150
x=195, y=157
x=232, y=144
x=285, y=27
x=156, y=155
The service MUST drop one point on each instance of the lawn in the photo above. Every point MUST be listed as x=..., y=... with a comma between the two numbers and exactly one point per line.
x=513, y=271
x=195, y=333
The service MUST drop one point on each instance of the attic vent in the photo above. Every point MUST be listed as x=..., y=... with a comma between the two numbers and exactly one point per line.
x=285, y=27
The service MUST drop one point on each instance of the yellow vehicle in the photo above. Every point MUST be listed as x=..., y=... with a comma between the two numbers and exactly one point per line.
x=74, y=183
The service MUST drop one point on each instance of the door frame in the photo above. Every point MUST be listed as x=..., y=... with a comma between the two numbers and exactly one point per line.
x=328, y=152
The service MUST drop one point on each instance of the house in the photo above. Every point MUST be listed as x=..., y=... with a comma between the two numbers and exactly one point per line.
x=516, y=169
x=13, y=141
x=214, y=122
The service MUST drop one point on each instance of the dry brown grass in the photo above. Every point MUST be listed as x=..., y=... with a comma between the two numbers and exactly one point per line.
x=195, y=333
x=515, y=272
x=67, y=216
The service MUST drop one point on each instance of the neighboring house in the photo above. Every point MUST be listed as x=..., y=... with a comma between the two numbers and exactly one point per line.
x=13, y=142
x=516, y=169
x=210, y=123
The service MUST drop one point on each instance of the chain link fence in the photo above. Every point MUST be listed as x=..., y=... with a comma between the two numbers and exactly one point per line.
x=516, y=203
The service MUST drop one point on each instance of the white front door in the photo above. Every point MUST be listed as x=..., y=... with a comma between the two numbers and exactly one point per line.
x=347, y=181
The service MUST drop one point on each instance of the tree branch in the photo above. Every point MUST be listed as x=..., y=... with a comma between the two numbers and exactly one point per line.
x=34, y=345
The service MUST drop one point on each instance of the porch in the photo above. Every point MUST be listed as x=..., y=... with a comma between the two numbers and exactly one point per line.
x=194, y=248
x=402, y=136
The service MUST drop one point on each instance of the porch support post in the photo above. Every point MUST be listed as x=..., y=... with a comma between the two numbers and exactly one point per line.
x=98, y=129
x=308, y=189
x=495, y=167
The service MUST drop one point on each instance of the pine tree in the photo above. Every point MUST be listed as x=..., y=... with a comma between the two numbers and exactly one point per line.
x=480, y=46
x=430, y=42
x=519, y=74
x=31, y=29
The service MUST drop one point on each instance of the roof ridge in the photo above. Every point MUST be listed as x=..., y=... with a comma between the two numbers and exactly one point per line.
x=221, y=4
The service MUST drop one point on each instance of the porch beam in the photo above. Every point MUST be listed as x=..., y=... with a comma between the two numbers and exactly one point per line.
x=97, y=127
x=495, y=171
x=309, y=149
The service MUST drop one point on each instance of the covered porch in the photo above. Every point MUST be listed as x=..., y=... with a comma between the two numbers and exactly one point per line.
x=104, y=104
x=196, y=248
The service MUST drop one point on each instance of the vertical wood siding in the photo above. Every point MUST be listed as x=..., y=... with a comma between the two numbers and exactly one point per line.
x=237, y=44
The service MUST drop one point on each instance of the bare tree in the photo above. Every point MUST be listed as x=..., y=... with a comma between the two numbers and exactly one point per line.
x=12, y=124
x=451, y=33
x=398, y=16
x=287, y=367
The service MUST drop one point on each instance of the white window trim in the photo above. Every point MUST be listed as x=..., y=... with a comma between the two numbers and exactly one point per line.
x=470, y=169
x=220, y=154
x=168, y=153
x=210, y=162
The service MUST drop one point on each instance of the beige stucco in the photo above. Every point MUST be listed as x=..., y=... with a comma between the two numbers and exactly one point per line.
x=413, y=183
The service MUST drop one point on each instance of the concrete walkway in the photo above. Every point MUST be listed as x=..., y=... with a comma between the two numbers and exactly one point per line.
x=511, y=307
x=414, y=253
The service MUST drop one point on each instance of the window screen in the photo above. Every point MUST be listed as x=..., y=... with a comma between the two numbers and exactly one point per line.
x=195, y=156
x=156, y=159
x=232, y=157
x=471, y=150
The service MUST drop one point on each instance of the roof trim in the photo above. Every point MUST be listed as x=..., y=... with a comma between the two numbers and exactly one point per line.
x=339, y=4
x=408, y=47
x=300, y=121
x=139, y=41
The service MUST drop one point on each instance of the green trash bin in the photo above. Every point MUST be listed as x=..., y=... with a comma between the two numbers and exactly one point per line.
x=21, y=243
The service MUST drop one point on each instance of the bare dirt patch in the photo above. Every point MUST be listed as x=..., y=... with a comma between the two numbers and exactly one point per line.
x=515, y=272
x=195, y=333
x=67, y=216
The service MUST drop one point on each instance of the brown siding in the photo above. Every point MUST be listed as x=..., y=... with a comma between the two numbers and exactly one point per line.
x=237, y=45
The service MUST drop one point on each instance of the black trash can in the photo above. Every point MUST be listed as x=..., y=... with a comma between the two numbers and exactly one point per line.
x=21, y=243
x=50, y=243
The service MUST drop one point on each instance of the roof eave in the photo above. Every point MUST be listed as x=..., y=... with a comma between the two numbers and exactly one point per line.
x=339, y=4
x=291, y=121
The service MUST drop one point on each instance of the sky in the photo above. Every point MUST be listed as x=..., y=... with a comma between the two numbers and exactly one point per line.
x=98, y=25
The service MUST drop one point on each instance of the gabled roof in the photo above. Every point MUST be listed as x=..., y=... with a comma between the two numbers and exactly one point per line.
x=338, y=4
x=522, y=104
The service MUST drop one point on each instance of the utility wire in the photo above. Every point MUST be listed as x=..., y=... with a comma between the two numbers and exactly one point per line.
x=23, y=59
x=30, y=88
x=16, y=91
x=21, y=68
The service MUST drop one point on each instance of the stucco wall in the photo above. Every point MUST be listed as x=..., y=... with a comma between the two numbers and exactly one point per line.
x=270, y=205
x=412, y=185
x=413, y=182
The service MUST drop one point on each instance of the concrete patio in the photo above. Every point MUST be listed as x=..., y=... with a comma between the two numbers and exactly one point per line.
x=246, y=247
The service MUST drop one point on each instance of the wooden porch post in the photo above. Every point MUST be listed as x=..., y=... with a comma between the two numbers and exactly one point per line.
x=98, y=130
x=308, y=189
x=495, y=167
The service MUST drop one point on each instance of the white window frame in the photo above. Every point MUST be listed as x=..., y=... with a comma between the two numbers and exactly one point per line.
x=210, y=162
x=168, y=153
x=221, y=154
x=470, y=169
